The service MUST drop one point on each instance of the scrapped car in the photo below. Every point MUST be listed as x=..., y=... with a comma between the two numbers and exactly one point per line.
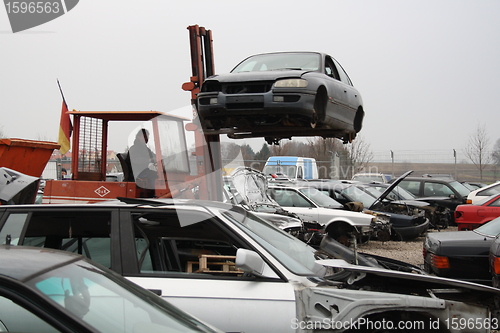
x=46, y=290
x=314, y=206
x=461, y=254
x=366, y=177
x=407, y=221
x=471, y=216
x=473, y=185
x=239, y=273
x=280, y=95
x=483, y=192
x=439, y=192
x=248, y=188
x=494, y=257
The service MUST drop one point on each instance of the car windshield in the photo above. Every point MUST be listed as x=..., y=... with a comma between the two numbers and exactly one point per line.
x=369, y=178
x=485, y=200
x=397, y=193
x=109, y=304
x=356, y=194
x=294, y=254
x=279, y=61
x=320, y=198
x=460, y=188
x=491, y=228
x=494, y=189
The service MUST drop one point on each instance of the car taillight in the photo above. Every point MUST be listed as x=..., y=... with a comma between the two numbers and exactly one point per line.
x=468, y=201
x=458, y=214
x=440, y=262
x=496, y=265
x=424, y=252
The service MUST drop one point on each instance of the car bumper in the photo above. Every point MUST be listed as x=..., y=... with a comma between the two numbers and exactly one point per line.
x=467, y=225
x=411, y=232
x=471, y=269
x=298, y=103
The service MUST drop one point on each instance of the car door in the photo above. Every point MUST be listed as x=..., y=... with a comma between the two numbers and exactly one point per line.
x=189, y=259
x=89, y=232
x=353, y=96
x=491, y=211
x=344, y=96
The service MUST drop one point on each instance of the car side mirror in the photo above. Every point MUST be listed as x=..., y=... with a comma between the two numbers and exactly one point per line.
x=252, y=263
x=452, y=196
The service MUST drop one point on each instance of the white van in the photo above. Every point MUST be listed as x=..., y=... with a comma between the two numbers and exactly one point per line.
x=291, y=167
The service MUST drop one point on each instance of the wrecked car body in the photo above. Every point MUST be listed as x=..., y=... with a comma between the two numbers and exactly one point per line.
x=17, y=188
x=345, y=226
x=409, y=218
x=228, y=267
x=247, y=188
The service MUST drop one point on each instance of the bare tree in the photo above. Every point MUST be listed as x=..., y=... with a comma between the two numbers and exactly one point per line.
x=359, y=153
x=476, y=149
x=324, y=150
x=496, y=152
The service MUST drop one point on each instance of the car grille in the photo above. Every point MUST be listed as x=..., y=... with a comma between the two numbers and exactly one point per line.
x=246, y=87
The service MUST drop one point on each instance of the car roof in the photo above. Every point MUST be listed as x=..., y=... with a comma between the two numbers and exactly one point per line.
x=430, y=179
x=125, y=203
x=21, y=263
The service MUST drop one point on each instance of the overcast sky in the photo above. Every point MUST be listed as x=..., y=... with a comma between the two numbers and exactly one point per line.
x=428, y=71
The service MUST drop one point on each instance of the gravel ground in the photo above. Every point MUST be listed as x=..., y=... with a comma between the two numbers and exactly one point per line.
x=407, y=251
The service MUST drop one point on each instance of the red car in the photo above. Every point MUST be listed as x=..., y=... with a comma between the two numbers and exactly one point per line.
x=469, y=217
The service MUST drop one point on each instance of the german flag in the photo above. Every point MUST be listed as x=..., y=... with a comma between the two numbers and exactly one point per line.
x=65, y=127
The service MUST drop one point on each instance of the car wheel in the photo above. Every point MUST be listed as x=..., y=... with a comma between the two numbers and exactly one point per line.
x=342, y=233
x=319, y=111
x=358, y=119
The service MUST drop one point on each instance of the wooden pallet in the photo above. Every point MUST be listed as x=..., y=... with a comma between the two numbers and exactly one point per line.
x=217, y=264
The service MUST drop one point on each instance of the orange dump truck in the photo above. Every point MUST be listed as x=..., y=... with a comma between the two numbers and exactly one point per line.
x=26, y=156
x=21, y=165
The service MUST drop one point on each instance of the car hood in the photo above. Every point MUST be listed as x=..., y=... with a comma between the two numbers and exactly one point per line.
x=280, y=221
x=413, y=280
x=17, y=186
x=258, y=76
x=337, y=250
x=390, y=188
x=457, y=243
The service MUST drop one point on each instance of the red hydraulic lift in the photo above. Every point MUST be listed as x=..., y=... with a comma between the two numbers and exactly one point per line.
x=208, y=156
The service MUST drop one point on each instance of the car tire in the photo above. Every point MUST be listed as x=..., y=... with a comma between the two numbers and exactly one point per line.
x=342, y=233
x=358, y=119
x=319, y=107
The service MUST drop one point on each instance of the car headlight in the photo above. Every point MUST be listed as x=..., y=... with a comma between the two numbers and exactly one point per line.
x=291, y=83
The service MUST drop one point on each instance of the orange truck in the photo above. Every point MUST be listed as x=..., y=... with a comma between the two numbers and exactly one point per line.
x=166, y=153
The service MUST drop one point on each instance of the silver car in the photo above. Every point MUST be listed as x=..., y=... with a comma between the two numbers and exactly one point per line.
x=235, y=271
x=280, y=95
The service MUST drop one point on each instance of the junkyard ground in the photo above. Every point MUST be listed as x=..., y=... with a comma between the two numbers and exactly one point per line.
x=408, y=251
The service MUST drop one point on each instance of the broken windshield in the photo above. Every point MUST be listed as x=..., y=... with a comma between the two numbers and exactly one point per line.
x=279, y=61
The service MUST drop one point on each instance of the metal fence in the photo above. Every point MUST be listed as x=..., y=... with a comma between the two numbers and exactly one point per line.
x=451, y=162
